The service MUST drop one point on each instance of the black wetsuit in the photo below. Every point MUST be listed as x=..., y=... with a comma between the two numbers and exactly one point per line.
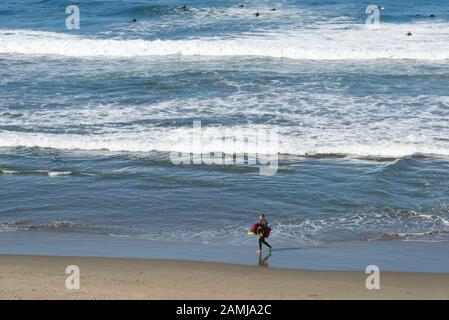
x=261, y=233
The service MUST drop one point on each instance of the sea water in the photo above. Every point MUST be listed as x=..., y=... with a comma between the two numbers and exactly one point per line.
x=89, y=117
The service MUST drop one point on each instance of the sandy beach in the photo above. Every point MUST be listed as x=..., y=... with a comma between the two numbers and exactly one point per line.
x=43, y=277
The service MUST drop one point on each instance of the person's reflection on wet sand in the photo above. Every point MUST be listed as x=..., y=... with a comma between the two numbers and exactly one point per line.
x=264, y=262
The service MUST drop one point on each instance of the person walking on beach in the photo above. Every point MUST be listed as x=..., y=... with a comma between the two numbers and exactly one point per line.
x=263, y=225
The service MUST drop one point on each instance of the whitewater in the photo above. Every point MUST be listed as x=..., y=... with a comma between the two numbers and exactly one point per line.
x=355, y=42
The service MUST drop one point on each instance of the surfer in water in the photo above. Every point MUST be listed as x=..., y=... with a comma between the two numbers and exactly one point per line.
x=261, y=232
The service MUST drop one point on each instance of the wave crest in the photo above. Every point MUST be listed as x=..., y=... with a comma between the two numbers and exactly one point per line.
x=326, y=43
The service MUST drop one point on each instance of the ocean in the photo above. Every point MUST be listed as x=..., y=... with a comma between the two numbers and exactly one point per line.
x=90, y=119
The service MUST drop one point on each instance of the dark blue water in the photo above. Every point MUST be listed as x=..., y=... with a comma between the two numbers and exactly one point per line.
x=88, y=119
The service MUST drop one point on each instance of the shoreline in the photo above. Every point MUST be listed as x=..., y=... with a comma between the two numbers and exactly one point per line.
x=44, y=277
x=397, y=256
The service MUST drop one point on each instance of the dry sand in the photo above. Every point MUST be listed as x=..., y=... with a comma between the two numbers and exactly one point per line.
x=40, y=277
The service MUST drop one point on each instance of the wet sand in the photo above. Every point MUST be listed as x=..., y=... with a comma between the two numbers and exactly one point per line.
x=44, y=277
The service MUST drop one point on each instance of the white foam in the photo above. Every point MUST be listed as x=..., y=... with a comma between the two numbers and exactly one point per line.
x=58, y=173
x=10, y=172
x=308, y=124
x=328, y=42
x=179, y=140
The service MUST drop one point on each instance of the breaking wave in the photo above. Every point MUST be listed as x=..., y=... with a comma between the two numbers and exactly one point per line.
x=179, y=140
x=354, y=42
